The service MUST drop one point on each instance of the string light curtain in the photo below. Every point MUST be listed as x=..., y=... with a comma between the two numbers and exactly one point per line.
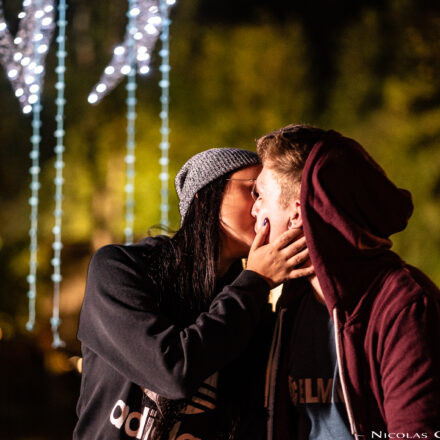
x=164, y=84
x=147, y=20
x=132, y=30
x=24, y=55
x=23, y=59
x=146, y=24
x=59, y=180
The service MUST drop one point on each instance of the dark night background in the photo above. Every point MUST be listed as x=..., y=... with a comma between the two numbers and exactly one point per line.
x=370, y=69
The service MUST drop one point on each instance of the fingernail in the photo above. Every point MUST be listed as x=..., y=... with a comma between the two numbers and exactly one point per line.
x=265, y=222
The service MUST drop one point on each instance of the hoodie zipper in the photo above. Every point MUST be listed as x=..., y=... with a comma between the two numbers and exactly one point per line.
x=271, y=372
x=341, y=369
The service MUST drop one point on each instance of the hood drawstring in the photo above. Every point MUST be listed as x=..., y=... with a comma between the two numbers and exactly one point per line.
x=341, y=369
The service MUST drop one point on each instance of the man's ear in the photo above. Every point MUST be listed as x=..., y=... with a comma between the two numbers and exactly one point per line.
x=295, y=219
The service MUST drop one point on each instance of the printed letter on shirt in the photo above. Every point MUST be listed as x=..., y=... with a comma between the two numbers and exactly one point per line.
x=118, y=421
x=136, y=431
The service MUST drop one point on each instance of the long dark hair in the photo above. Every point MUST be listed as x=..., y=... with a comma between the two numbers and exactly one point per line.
x=183, y=269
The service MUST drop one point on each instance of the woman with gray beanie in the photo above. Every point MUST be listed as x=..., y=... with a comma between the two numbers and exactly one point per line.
x=164, y=321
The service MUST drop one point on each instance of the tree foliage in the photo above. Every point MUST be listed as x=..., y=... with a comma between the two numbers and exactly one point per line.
x=371, y=74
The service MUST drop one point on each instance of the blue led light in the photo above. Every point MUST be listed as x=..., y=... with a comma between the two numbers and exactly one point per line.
x=59, y=180
x=130, y=157
x=164, y=84
x=23, y=56
x=35, y=174
x=33, y=202
x=142, y=34
x=147, y=20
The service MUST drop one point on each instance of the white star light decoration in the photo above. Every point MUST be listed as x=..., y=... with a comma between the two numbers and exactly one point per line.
x=145, y=33
x=23, y=56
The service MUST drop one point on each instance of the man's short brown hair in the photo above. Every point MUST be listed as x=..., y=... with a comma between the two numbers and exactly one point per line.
x=285, y=151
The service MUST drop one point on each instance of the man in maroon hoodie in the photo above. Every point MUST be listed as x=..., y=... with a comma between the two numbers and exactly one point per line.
x=356, y=347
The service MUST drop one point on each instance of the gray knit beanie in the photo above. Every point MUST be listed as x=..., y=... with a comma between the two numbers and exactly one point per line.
x=205, y=167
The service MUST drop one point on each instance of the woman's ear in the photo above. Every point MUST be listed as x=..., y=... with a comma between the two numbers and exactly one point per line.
x=295, y=219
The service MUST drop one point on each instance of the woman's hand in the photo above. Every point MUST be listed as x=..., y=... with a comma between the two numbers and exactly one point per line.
x=284, y=259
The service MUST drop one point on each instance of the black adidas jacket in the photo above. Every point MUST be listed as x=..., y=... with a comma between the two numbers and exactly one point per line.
x=129, y=344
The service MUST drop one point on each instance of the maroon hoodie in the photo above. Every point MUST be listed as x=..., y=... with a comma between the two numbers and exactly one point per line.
x=386, y=314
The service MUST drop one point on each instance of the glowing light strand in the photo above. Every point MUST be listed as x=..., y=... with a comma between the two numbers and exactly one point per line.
x=131, y=122
x=35, y=186
x=164, y=114
x=59, y=165
x=145, y=17
x=146, y=21
x=33, y=202
x=23, y=56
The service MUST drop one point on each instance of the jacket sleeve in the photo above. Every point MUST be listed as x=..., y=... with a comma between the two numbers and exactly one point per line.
x=121, y=323
x=410, y=369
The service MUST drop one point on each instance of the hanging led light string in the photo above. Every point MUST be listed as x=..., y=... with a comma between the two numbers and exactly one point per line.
x=59, y=165
x=23, y=58
x=33, y=202
x=148, y=19
x=35, y=106
x=164, y=114
x=133, y=12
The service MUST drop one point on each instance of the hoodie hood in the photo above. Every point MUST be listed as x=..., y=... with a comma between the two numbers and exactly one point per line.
x=349, y=209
